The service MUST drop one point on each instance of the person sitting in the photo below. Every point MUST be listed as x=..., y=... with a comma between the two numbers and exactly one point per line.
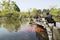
x=50, y=19
x=38, y=18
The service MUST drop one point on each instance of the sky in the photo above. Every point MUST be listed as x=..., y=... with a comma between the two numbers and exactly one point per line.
x=25, y=5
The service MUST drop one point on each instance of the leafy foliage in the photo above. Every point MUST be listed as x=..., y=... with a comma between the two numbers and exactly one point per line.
x=10, y=14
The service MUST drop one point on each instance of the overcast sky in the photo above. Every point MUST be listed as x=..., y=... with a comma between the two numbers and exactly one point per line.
x=39, y=4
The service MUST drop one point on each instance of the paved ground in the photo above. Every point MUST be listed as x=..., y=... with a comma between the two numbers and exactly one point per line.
x=56, y=34
x=58, y=25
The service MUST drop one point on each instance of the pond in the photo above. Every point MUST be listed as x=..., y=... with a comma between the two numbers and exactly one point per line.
x=25, y=32
x=21, y=35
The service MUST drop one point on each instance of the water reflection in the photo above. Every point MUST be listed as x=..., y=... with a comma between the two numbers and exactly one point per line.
x=21, y=35
x=27, y=32
x=3, y=30
x=12, y=24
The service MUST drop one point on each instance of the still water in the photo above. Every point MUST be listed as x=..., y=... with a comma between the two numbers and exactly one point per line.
x=23, y=33
x=20, y=35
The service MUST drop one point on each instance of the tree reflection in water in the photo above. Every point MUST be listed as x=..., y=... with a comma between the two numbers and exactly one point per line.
x=12, y=23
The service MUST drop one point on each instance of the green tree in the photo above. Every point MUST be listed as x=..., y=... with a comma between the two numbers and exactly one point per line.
x=11, y=14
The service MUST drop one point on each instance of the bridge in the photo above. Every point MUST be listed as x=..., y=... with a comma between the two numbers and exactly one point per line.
x=52, y=31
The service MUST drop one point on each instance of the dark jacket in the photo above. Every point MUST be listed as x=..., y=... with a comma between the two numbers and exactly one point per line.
x=49, y=18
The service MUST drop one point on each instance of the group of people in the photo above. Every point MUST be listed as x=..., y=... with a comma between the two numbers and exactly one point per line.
x=48, y=18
